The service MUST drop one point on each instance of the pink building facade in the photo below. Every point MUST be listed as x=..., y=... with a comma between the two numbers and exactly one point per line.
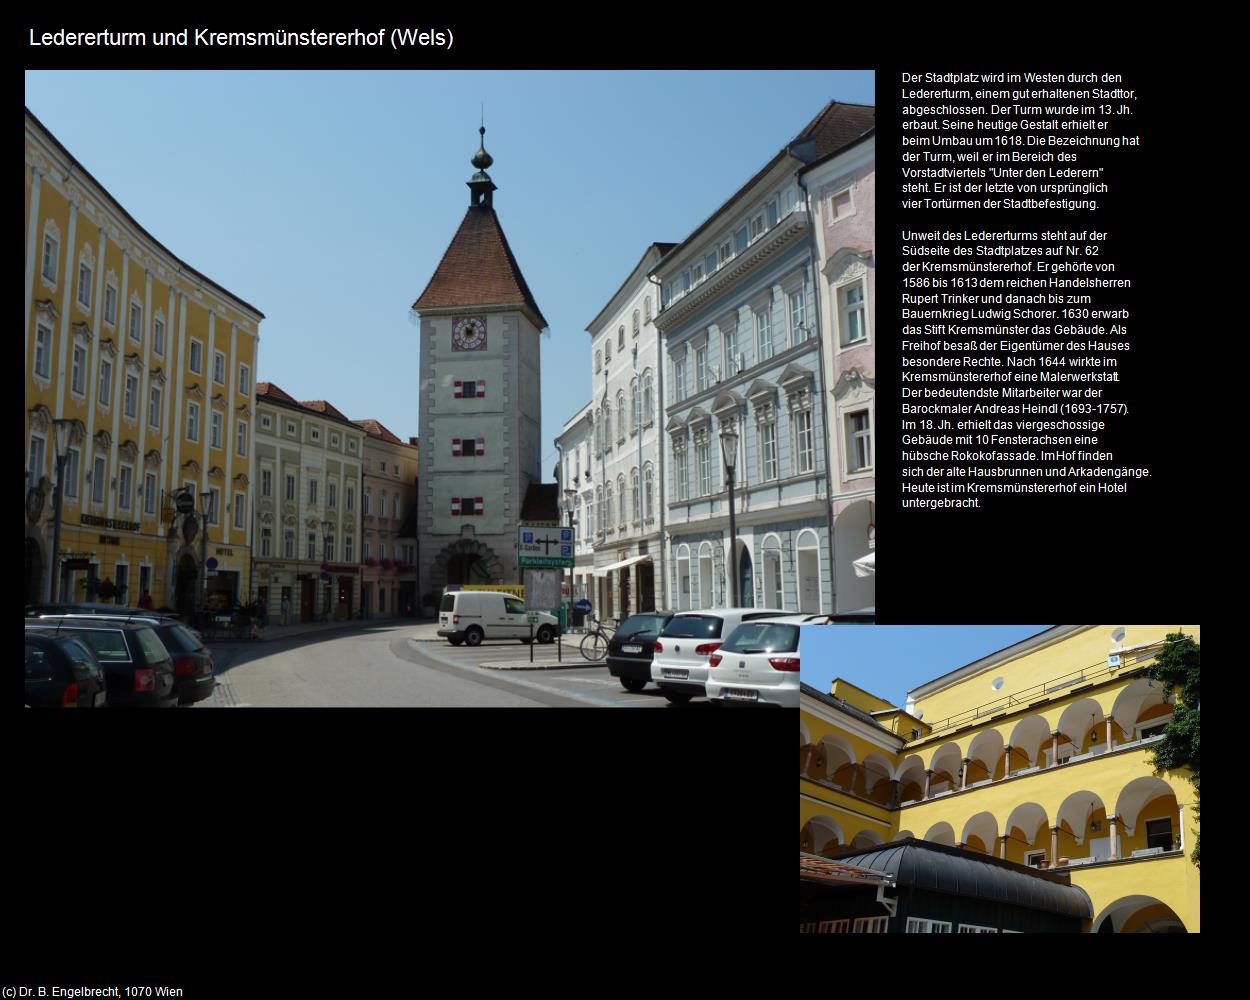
x=841, y=193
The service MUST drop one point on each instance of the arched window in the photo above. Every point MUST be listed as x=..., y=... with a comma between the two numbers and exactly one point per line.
x=607, y=507
x=620, y=492
x=620, y=413
x=620, y=337
x=607, y=350
x=807, y=571
x=683, y=578
x=598, y=361
x=648, y=480
x=646, y=309
x=600, y=524
x=705, y=575
x=773, y=593
x=636, y=323
x=633, y=495
x=648, y=397
x=607, y=425
x=637, y=421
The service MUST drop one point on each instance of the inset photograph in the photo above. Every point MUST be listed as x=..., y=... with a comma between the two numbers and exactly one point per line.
x=996, y=779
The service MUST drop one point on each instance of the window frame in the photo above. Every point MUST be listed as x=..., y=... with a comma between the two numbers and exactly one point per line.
x=844, y=313
x=44, y=350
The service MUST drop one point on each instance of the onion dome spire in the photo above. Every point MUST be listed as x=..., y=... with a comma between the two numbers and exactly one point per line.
x=480, y=183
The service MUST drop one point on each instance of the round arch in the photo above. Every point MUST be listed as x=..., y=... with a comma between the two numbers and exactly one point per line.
x=1026, y=827
x=839, y=760
x=984, y=827
x=911, y=779
x=770, y=556
x=1029, y=736
x=875, y=775
x=811, y=593
x=821, y=834
x=867, y=839
x=1078, y=722
x=852, y=528
x=1138, y=800
x=945, y=765
x=986, y=753
x=1139, y=703
x=1138, y=915
x=1077, y=813
x=941, y=833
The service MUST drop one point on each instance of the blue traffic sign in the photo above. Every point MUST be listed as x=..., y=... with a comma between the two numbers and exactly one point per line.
x=583, y=606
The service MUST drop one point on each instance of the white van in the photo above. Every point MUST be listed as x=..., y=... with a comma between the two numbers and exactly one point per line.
x=470, y=616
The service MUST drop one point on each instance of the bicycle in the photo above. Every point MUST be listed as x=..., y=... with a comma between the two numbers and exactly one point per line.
x=595, y=642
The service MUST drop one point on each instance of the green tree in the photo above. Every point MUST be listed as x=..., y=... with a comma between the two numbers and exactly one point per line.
x=1176, y=668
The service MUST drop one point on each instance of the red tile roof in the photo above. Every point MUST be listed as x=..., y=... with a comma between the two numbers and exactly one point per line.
x=837, y=125
x=271, y=390
x=375, y=429
x=478, y=269
x=817, y=869
x=321, y=406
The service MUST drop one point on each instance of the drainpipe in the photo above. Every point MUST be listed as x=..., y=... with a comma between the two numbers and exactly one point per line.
x=820, y=382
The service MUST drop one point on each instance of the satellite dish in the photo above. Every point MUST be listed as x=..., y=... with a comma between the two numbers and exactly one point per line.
x=1118, y=635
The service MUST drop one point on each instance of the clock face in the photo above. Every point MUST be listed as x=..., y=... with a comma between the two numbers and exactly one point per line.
x=468, y=334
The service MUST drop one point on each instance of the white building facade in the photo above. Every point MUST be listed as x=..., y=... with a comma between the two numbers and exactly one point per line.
x=308, y=465
x=742, y=354
x=628, y=518
x=577, y=493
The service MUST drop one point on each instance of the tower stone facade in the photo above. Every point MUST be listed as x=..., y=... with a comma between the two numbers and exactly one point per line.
x=480, y=404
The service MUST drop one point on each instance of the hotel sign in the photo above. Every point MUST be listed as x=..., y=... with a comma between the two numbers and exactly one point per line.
x=108, y=522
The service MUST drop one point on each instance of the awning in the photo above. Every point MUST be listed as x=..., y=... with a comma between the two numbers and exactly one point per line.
x=605, y=570
x=866, y=566
x=813, y=868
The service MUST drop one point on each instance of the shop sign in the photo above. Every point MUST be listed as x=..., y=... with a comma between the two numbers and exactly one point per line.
x=110, y=540
x=108, y=522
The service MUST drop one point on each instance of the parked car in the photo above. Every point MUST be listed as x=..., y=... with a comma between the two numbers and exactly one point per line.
x=630, y=649
x=193, y=662
x=81, y=608
x=469, y=616
x=759, y=663
x=138, y=670
x=62, y=672
x=681, y=653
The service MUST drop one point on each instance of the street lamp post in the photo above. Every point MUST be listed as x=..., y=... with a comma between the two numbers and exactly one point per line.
x=62, y=429
x=729, y=450
x=326, y=527
x=204, y=499
x=569, y=496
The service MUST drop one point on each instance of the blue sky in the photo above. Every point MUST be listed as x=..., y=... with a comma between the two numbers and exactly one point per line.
x=890, y=660
x=326, y=199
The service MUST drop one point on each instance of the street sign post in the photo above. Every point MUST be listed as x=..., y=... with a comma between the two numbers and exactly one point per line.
x=545, y=546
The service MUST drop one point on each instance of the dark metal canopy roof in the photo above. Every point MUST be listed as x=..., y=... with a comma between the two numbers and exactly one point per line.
x=920, y=864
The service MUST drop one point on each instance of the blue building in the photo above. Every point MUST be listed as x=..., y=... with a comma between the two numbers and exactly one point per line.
x=741, y=353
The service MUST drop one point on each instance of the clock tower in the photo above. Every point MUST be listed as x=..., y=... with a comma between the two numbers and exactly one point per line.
x=479, y=398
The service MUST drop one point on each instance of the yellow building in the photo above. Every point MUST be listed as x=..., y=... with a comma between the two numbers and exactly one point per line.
x=152, y=366
x=1038, y=754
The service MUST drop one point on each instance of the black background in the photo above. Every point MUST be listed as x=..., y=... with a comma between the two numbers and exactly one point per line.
x=303, y=845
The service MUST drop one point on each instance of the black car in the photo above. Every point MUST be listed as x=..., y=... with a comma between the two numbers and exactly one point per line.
x=62, y=672
x=629, y=651
x=81, y=608
x=138, y=670
x=193, y=662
